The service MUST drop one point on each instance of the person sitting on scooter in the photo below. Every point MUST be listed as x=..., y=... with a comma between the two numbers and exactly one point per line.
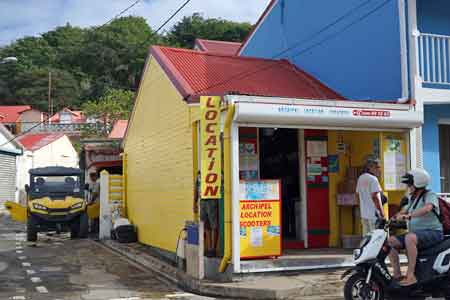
x=424, y=227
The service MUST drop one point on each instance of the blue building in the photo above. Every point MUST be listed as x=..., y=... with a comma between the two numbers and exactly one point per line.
x=390, y=50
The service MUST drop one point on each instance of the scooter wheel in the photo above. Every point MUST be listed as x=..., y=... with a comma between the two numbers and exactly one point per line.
x=357, y=288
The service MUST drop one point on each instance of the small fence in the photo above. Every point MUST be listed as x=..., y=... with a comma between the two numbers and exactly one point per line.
x=434, y=58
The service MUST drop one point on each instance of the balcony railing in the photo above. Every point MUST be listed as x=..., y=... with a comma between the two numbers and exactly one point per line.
x=433, y=58
x=57, y=127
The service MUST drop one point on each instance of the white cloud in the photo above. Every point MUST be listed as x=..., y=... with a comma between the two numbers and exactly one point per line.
x=33, y=17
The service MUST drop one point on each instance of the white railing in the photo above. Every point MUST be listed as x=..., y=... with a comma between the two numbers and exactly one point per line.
x=433, y=58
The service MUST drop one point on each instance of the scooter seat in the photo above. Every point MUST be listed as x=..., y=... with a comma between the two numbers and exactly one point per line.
x=444, y=245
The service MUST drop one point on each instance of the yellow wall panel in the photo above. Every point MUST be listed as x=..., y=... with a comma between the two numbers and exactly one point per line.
x=361, y=144
x=159, y=151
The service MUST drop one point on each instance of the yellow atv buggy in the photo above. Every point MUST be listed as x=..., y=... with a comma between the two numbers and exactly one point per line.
x=55, y=202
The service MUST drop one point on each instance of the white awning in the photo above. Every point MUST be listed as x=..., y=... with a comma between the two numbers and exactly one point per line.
x=325, y=113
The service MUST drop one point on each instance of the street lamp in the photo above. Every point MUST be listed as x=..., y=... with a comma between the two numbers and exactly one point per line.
x=13, y=59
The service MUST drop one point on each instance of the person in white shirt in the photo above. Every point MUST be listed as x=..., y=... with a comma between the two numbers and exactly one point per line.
x=368, y=192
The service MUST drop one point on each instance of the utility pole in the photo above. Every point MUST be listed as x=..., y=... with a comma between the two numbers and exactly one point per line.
x=50, y=104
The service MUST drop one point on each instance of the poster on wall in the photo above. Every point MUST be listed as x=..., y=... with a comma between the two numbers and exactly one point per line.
x=260, y=218
x=248, y=160
x=248, y=154
x=394, y=163
x=317, y=162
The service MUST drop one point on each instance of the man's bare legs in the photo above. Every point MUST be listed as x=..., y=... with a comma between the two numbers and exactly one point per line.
x=411, y=249
x=394, y=256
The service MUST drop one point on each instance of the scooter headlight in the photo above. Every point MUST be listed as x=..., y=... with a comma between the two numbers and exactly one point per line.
x=357, y=253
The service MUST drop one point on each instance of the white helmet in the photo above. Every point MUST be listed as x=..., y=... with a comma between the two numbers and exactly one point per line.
x=417, y=177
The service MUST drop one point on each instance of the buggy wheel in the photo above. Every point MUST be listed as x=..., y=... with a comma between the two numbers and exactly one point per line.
x=83, y=226
x=75, y=228
x=32, y=231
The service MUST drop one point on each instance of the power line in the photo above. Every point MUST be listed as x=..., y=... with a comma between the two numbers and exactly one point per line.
x=172, y=16
x=315, y=34
x=310, y=37
x=331, y=36
x=121, y=13
x=26, y=131
x=248, y=73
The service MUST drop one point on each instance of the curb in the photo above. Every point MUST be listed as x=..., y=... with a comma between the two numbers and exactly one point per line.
x=186, y=282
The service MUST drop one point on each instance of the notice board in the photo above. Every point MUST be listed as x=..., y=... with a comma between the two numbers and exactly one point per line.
x=395, y=164
x=260, y=218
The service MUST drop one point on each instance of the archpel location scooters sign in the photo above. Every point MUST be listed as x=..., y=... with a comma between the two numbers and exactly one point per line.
x=260, y=218
x=211, y=175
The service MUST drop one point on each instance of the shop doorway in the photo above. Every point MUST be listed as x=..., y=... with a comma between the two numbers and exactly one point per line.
x=279, y=153
x=444, y=152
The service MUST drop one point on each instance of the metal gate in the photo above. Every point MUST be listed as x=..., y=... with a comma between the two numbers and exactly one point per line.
x=444, y=152
x=7, y=178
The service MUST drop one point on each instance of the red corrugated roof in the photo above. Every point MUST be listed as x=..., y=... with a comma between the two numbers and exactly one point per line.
x=119, y=129
x=196, y=73
x=11, y=113
x=34, y=142
x=217, y=47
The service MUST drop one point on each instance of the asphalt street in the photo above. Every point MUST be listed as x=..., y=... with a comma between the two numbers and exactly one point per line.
x=59, y=268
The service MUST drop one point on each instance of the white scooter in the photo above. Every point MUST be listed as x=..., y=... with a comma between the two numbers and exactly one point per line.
x=370, y=278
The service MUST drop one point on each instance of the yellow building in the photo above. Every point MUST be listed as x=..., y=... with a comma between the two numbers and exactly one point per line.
x=287, y=132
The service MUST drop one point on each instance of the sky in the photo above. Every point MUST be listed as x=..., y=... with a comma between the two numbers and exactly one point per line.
x=19, y=18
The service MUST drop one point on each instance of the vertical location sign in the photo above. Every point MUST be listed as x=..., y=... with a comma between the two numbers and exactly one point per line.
x=210, y=147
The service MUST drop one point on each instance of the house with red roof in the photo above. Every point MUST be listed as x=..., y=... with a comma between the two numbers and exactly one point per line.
x=19, y=118
x=217, y=47
x=285, y=136
x=119, y=129
x=44, y=150
x=68, y=116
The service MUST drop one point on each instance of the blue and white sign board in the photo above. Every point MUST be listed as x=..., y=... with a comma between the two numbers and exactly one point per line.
x=259, y=190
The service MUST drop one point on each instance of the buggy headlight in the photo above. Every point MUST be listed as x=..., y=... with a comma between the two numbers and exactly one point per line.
x=39, y=206
x=77, y=205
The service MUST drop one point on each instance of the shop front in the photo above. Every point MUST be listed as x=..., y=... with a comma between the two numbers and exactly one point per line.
x=294, y=167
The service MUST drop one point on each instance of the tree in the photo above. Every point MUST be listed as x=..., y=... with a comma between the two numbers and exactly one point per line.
x=184, y=33
x=87, y=63
x=115, y=105
x=31, y=86
x=114, y=55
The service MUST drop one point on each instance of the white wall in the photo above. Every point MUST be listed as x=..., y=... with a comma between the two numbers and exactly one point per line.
x=59, y=153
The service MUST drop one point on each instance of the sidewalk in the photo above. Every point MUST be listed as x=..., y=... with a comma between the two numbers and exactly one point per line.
x=325, y=284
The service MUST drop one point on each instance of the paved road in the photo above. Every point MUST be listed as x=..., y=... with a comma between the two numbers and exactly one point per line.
x=59, y=268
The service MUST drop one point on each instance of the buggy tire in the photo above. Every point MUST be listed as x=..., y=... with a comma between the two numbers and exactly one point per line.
x=83, y=226
x=75, y=228
x=32, y=231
